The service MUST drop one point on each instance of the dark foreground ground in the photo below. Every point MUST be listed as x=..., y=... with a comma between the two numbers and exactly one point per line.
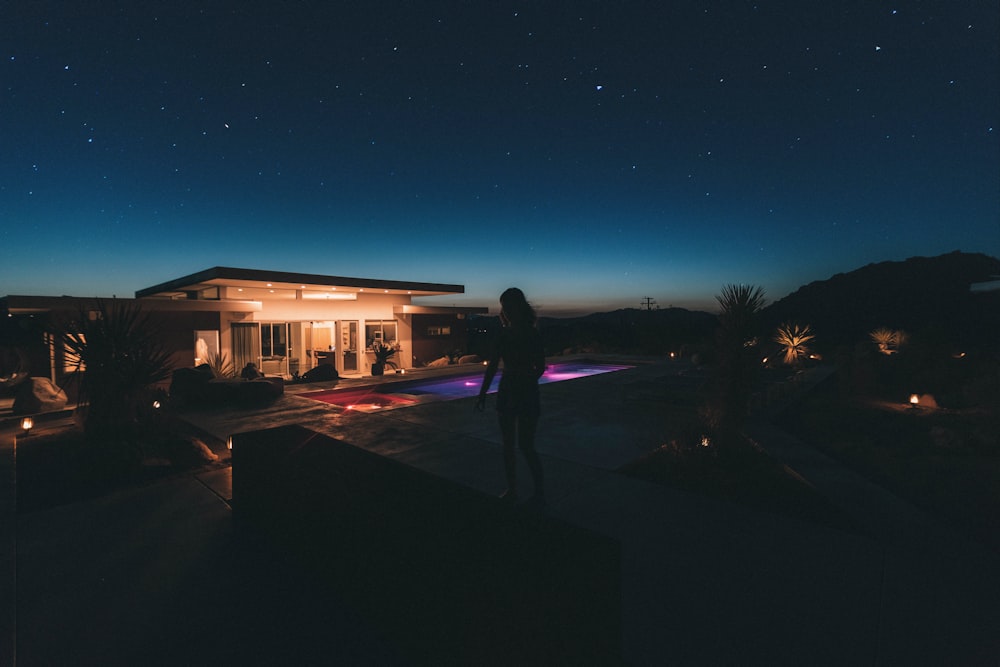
x=160, y=574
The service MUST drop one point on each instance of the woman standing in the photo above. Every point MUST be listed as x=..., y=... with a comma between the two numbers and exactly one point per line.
x=520, y=348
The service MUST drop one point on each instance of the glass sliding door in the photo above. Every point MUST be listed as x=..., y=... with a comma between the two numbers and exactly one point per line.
x=347, y=337
x=274, y=348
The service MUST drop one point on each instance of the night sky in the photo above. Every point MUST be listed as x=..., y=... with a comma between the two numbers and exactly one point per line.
x=592, y=153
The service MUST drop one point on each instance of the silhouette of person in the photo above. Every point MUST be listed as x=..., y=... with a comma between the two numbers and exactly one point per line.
x=519, y=346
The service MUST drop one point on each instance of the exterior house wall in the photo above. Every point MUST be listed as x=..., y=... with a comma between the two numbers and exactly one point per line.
x=429, y=345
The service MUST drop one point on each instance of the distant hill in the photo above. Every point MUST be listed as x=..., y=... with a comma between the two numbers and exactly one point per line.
x=628, y=330
x=927, y=296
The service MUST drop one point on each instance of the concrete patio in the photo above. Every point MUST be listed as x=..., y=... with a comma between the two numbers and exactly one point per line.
x=157, y=575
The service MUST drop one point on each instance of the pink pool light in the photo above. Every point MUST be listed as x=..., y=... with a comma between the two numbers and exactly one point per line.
x=361, y=401
x=560, y=372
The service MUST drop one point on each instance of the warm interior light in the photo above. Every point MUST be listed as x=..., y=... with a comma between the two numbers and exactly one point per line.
x=156, y=405
x=229, y=442
x=914, y=399
x=27, y=424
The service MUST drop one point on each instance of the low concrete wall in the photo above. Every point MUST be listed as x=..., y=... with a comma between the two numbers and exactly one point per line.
x=451, y=575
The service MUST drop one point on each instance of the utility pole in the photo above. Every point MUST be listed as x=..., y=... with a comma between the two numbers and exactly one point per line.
x=648, y=302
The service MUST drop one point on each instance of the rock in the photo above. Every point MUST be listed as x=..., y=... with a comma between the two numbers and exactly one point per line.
x=439, y=363
x=38, y=395
x=470, y=359
x=322, y=373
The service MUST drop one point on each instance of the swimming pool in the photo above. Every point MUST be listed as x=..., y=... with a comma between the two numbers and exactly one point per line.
x=402, y=394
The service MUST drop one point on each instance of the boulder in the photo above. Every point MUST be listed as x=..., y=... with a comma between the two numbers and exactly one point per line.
x=38, y=395
x=439, y=363
x=470, y=359
x=322, y=373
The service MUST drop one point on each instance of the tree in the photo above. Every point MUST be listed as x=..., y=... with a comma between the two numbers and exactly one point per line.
x=793, y=339
x=736, y=341
x=117, y=357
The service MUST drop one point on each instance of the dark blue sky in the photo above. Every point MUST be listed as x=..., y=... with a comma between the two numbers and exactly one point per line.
x=592, y=153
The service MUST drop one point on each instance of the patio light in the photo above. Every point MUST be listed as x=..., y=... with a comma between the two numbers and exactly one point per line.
x=914, y=400
x=27, y=423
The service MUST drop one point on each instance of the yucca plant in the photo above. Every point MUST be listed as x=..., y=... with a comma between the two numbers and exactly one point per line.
x=793, y=338
x=222, y=367
x=117, y=357
x=888, y=340
x=732, y=383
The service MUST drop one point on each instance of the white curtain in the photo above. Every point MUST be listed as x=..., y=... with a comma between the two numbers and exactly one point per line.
x=246, y=344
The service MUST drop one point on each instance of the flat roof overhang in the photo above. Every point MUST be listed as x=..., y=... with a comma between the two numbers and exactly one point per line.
x=28, y=305
x=410, y=309
x=257, y=285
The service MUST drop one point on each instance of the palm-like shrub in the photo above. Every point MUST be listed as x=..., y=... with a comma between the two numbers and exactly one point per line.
x=383, y=353
x=888, y=340
x=736, y=340
x=222, y=367
x=115, y=354
x=793, y=339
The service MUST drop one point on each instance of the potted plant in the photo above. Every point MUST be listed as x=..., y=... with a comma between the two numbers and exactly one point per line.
x=382, y=354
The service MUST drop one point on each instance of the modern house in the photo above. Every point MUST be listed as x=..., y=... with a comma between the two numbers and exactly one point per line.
x=285, y=323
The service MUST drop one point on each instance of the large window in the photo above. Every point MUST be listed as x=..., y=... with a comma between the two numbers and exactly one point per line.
x=274, y=339
x=383, y=331
x=206, y=346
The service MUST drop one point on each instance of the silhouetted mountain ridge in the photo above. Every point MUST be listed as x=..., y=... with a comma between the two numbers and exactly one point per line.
x=921, y=295
x=928, y=296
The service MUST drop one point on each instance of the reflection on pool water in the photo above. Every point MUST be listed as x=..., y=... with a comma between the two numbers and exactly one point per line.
x=397, y=395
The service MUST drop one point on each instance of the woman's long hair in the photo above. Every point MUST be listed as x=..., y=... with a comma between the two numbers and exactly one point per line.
x=517, y=309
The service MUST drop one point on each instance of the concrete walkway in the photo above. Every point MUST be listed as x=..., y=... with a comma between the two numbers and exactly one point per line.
x=154, y=574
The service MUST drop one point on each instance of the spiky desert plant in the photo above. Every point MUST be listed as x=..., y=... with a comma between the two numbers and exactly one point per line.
x=735, y=372
x=383, y=353
x=115, y=353
x=793, y=339
x=221, y=366
x=885, y=338
x=888, y=340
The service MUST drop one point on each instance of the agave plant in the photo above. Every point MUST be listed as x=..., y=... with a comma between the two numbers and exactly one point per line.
x=888, y=340
x=221, y=366
x=793, y=339
x=115, y=353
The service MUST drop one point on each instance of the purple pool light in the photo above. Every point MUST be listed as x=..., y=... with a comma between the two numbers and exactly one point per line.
x=560, y=372
x=468, y=385
x=463, y=386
